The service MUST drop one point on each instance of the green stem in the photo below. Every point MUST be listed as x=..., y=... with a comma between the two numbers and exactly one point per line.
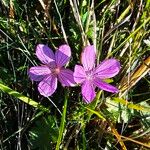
x=94, y=104
x=62, y=124
x=83, y=137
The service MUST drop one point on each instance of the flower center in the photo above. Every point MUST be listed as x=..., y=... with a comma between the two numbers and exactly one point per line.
x=89, y=75
x=56, y=71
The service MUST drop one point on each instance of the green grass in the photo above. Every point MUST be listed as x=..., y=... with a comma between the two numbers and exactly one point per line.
x=63, y=121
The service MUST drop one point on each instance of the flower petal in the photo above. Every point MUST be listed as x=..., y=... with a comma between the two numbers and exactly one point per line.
x=66, y=77
x=79, y=74
x=107, y=69
x=88, y=91
x=47, y=86
x=37, y=73
x=88, y=57
x=62, y=55
x=105, y=86
x=45, y=54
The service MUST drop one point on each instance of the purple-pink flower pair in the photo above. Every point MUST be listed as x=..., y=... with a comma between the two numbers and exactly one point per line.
x=87, y=75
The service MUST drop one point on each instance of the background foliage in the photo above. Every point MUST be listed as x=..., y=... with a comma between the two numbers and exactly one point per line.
x=118, y=29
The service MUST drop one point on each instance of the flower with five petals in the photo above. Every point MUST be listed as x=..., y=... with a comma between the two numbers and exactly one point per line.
x=52, y=69
x=91, y=77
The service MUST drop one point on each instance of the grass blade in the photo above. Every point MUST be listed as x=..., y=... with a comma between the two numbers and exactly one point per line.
x=130, y=105
x=62, y=124
x=21, y=97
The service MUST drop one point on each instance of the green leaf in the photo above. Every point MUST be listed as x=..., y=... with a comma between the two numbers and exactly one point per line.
x=96, y=113
x=44, y=133
x=62, y=124
x=21, y=97
x=130, y=105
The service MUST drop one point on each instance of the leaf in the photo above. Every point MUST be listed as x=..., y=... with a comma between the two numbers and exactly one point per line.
x=130, y=105
x=23, y=98
x=96, y=113
x=44, y=133
x=62, y=124
x=119, y=112
x=108, y=80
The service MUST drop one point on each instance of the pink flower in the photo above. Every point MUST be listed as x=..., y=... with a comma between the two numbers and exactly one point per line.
x=91, y=77
x=52, y=69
